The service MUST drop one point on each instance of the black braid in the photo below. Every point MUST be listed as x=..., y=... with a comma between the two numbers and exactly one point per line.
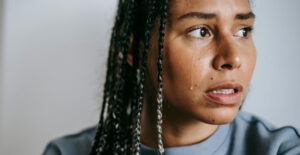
x=100, y=141
x=149, y=24
x=114, y=121
x=108, y=80
x=121, y=104
x=119, y=124
x=163, y=17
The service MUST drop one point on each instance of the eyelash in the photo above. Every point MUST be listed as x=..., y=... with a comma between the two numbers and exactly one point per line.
x=199, y=28
x=247, y=30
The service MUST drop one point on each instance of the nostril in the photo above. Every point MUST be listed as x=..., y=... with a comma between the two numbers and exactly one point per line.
x=226, y=66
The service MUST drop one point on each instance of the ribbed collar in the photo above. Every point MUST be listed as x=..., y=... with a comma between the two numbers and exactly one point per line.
x=209, y=146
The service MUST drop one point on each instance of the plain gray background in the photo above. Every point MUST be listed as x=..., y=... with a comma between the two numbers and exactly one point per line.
x=52, y=66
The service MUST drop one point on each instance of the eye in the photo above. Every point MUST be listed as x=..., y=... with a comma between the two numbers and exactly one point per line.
x=200, y=32
x=243, y=32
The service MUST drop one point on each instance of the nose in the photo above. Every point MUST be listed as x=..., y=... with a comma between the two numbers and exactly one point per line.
x=228, y=56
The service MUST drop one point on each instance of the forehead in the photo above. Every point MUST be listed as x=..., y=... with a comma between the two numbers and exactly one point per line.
x=179, y=7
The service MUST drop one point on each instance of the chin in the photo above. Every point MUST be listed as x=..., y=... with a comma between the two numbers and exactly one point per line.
x=218, y=116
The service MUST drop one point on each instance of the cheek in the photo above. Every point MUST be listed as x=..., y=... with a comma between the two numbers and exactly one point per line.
x=201, y=68
x=186, y=69
x=178, y=66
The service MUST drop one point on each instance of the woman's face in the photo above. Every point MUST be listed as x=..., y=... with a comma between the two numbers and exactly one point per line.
x=209, y=58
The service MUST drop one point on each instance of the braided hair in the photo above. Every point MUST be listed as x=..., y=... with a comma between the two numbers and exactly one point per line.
x=119, y=125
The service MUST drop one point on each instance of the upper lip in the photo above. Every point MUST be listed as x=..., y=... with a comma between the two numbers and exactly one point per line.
x=229, y=85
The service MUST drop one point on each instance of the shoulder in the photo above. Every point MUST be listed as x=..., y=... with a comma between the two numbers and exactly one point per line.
x=261, y=136
x=74, y=144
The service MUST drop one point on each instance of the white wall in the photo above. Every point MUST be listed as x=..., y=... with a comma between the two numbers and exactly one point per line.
x=53, y=68
x=53, y=64
x=1, y=66
x=274, y=92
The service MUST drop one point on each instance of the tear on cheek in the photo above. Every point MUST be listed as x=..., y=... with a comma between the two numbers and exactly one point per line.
x=192, y=85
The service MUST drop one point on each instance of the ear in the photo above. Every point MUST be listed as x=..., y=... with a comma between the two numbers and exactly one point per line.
x=130, y=56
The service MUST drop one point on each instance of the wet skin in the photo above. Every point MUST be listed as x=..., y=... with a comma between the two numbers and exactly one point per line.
x=208, y=43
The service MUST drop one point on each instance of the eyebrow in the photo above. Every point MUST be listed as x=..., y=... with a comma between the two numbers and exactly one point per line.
x=197, y=15
x=201, y=15
x=245, y=16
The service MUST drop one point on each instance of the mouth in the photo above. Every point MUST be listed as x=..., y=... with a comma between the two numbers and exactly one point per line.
x=225, y=94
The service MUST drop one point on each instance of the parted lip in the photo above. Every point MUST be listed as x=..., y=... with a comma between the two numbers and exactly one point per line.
x=227, y=85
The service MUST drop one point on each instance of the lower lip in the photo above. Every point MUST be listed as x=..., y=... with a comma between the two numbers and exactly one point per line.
x=225, y=99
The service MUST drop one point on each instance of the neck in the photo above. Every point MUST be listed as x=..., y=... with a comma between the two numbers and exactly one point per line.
x=178, y=129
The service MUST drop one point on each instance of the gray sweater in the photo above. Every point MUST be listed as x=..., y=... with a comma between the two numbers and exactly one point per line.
x=246, y=135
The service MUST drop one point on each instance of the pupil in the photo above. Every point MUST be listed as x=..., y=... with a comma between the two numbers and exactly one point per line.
x=245, y=33
x=203, y=32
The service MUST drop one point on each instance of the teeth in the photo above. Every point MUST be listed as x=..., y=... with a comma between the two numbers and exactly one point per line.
x=223, y=91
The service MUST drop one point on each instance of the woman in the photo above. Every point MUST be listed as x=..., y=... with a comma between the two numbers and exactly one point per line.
x=178, y=72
